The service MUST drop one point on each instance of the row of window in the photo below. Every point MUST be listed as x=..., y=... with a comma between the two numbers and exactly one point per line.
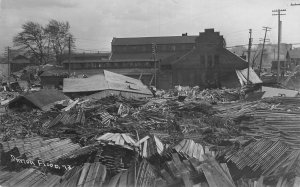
x=111, y=65
x=148, y=48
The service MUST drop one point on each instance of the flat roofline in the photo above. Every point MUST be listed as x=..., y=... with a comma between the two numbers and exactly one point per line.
x=99, y=61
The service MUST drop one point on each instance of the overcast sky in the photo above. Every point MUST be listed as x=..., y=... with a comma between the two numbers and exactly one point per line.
x=95, y=22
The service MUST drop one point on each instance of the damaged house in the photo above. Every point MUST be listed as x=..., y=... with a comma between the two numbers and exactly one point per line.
x=43, y=100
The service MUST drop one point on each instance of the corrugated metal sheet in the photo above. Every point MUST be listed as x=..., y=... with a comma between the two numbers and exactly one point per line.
x=259, y=156
x=243, y=75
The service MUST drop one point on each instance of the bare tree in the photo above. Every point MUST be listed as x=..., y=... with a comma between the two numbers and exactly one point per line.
x=34, y=40
x=45, y=43
x=59, y=37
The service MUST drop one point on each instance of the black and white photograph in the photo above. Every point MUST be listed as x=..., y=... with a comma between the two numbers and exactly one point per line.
x=150, y=93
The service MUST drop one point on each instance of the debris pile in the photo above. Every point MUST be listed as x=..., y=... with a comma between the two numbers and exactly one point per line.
x=209, y=95
x=201, y=140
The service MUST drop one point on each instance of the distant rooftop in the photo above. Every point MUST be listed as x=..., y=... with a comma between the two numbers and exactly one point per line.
x=156, y=40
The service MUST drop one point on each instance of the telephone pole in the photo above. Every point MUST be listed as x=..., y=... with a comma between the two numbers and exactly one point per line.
x=8, y=64
x=278, y=13
x=69, y=57
x=249, y=53
x=262, y=51
x=154, y=58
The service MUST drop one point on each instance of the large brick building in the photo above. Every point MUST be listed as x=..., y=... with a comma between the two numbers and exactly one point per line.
x=186, y=60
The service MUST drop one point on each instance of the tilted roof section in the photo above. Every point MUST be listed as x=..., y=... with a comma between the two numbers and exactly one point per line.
x=156, y=40
x=105, y=81
x=42, y=99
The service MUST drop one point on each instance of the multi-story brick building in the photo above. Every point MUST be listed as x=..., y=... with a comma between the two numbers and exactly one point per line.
x=171, y=60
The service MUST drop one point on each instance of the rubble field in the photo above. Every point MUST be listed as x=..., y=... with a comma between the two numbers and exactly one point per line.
x=180, y=138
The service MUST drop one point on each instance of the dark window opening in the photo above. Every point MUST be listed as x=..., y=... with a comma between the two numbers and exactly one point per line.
x=202, y=60
x=209, y=61
x=217, y=60
x=166, y=67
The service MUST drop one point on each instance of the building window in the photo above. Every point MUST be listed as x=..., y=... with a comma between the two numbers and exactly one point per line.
x=209, y=61
x=217, y=60
x=166, y=67
x=202, y=60
x=173, y=47
x=144, y=49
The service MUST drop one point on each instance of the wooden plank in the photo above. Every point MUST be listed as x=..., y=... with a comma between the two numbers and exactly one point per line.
x=19, y=178
x=167, y=176
x=215, y=174
x=260, y=182
x=73, y=181
x=123, y=179
x=88, y=181
x=296, y=182
x=83, y=175
x=145, y=149
x=100, y=177
x=115, y=180
x=141, y=140
x=105, y=136
x=191, y=148
x=186, y=179
x=92, y=179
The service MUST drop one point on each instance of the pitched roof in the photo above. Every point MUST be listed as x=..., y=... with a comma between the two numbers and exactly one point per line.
x=232, y=60
x=228, y=60
x=42, y=99
x=156, y=40
x=105, y=80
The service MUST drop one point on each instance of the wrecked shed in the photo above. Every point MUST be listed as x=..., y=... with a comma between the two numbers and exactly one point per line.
x=43, y=100
x=104, y=84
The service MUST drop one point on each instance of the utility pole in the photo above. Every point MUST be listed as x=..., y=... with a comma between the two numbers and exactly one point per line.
x=69, y=57
x=278, y=13
x=154, y=58
x=8, y=66
x=249, y=53
x=262, y=51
